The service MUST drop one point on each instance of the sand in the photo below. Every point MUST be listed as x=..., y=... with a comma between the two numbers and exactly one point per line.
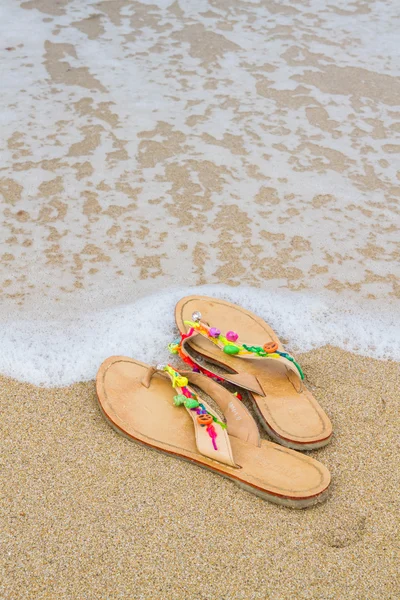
x=87, y=514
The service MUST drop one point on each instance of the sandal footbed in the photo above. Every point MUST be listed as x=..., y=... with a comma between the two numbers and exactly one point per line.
x=148, y=416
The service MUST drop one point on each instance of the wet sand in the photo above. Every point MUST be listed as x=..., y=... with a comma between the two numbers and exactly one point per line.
x=152, y=144
x=88, y=514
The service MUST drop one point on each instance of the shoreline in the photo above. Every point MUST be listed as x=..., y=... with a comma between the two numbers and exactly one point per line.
x=89, y=514
x=60, y=352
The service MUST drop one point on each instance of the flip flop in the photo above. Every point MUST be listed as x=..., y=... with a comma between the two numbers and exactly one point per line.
x=140, y=403
x=286, y=408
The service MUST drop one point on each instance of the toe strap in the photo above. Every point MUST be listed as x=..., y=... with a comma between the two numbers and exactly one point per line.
x=212, y=439
x=230, y=345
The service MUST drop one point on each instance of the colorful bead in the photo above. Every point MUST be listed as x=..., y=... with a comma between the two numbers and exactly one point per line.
x=179, y=399
x=181, y=381
x=270, y=347
x=191, y=403
x=232, y=336
x=204, y=419
x=229, y=349
x=173, y=347
x=214, y=332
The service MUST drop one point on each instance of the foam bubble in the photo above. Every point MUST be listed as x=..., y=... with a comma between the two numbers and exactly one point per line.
x=59, y=353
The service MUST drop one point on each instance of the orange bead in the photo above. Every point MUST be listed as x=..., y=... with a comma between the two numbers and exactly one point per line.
x=270, y=347
x=204, y=419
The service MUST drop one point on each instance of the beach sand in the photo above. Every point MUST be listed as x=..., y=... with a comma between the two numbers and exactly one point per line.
x=87, y=514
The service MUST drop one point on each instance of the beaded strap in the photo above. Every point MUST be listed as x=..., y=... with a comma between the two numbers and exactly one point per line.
x=186, y=397
x=229, y=345
x=176, y=348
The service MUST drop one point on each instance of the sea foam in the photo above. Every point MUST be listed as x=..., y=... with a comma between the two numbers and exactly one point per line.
x=59, y=353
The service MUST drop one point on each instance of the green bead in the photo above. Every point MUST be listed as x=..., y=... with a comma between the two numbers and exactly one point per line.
x=191, y=403
x=179, y=399
x=231, y=349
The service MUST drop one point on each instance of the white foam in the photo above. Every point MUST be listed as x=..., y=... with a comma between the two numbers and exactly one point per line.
x=59, y=353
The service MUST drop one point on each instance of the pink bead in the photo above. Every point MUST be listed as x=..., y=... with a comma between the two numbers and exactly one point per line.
x=214, y=332
x=232, y=336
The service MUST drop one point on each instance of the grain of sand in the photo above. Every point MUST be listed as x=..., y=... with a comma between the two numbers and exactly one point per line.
x=87, y=514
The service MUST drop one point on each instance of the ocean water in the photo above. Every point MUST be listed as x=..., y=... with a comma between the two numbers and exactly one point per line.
x=248, y=150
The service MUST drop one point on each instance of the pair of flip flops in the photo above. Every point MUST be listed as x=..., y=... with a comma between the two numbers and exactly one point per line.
x=157, y=406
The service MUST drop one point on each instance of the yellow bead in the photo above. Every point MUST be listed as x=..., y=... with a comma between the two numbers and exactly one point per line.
x=181, y=381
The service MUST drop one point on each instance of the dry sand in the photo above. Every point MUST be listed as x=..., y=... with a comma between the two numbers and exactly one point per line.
x=87, y=514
